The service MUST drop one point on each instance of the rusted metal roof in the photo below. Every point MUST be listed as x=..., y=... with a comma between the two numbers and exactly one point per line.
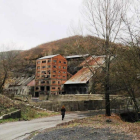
x=76, y=56
x=82, y=76
x=89, y=66
x=49, y=56
x=32, y=83
x=94, y=61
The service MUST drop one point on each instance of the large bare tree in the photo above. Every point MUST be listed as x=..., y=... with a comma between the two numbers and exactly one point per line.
x=104, y=19
x=7, y=64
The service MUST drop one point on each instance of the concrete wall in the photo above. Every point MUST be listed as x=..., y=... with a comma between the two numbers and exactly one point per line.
x=73, y=105
x=15, y=114
x=80, y=97
x=79, y=105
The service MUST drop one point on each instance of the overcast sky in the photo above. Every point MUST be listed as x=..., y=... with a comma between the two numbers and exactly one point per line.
x=24, y=24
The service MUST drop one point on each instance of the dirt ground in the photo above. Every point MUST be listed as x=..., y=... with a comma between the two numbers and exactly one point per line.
x=93, y=128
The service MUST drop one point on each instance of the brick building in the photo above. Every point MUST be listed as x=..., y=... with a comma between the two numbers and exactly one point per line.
x=51, y=73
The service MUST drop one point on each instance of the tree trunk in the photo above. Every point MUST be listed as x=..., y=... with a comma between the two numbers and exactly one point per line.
x=107, y=88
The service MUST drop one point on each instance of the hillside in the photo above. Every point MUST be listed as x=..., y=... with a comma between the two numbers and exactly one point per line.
x=67, y=46
x=7, y=105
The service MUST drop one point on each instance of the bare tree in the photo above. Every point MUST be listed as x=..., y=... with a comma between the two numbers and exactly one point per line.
x=7, y=64
x=104, y=19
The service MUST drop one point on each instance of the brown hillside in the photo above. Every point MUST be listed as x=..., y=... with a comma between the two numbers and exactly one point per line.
x=67, y=46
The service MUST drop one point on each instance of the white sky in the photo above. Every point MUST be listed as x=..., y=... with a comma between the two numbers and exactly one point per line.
x=24, y=24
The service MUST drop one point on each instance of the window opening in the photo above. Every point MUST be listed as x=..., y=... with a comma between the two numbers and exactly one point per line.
x=44, y=61
x=42, y=88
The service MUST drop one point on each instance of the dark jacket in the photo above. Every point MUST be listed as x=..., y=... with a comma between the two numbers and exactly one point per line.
x=63, y=110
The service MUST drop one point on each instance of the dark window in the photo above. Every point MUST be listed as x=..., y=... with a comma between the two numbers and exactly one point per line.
x=42, y=88
x=49, y=60
x=64, y=76
x=54, y=71
x=43, y=67
x=42, y=82
x=48, y=71
x=54, y=66
x=53, y=75
x=53, y=87
x=44, y=72
x=43, y=76
x=49, y=66
x=37, y=88
x=53, y=82
x=59, y=61
x=44, y=61
x=48, y=82
x=36, y=94
x=48, y=88
x=64, y=62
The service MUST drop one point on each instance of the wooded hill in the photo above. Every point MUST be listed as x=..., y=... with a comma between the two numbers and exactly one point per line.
x=67, y=46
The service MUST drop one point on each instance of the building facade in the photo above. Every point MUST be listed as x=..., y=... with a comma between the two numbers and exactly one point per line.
x=51, y=74
x=20, y=85
x=82, y=81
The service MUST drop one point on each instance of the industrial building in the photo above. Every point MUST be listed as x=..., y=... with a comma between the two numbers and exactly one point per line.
x=51, y=74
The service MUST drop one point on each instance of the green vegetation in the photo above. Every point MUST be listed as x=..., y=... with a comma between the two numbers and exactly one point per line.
x=28, y=113
x=8, y=120
x=6, y=110
x=7, y=105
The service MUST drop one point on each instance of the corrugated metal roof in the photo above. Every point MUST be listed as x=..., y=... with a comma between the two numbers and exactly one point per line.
x=89, y=65
x=49, y=56
x=76, y=56
x=93, y=61
x=81, y=77
x=21, y=81
x=32, y=83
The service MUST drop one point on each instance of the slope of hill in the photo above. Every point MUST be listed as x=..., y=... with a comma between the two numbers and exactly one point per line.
x=67, y=46
x=7, y=105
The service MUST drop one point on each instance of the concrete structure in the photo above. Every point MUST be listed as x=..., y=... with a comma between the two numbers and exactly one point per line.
x=81, y=82
x=19, y=85
x=51, y=74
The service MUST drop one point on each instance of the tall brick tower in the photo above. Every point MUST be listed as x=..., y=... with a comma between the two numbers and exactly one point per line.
x=51, y=73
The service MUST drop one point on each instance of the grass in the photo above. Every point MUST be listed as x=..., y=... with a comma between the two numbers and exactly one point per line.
x=6, y=110
x=8, y=120
x=28, y=113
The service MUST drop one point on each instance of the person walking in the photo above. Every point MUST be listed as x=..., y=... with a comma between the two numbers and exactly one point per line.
x=63, y=110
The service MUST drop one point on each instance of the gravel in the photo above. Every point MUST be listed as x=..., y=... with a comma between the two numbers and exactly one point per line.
x=82, y=133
